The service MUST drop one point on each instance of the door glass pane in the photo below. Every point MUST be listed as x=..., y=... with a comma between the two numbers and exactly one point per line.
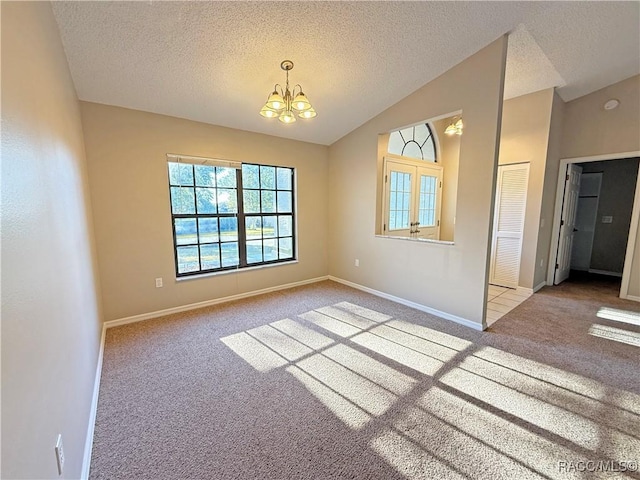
x=254, y=251
x=186, y=233
x=208, y=228
x=210, y=256
x=229, y=254
x=399, y=200
x=188, y=260
x=427, y=208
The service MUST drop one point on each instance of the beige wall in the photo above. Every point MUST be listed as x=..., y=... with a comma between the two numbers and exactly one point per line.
x=126, y=153
x=549, y=191
x=589, y=130
x=50, y=314
x=523, y=139
x=449, y=278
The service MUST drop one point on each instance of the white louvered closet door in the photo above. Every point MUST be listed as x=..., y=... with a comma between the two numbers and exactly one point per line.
x=508, y=224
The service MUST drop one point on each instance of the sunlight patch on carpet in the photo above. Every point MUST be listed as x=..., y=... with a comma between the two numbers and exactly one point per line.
x=615, y=334
x=618, y=315
x=405, y=356
x=342, y=408
x=253, y=352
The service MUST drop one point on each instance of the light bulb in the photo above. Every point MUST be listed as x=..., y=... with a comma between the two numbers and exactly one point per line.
x=309, y=113
x=287, y=117
x=451, y=130
x=268, y=112
x=301, y=102
x=275, y=101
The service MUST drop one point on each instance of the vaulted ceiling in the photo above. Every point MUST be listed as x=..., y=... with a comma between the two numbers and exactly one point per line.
x=216, y=62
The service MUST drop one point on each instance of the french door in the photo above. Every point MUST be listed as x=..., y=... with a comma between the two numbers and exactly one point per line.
x=412, y=200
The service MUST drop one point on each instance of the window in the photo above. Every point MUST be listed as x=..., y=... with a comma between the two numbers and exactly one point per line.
x=227, y=216
x=414, y=142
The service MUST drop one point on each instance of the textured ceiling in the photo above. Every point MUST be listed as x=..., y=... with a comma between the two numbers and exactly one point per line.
x=216, y=62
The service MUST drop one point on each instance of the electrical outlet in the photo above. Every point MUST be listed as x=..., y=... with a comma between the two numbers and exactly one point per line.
x=59, y=454
x=357, y=262
x=158, y=282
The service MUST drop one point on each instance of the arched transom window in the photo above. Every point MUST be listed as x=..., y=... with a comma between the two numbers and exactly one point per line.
x=414, y=142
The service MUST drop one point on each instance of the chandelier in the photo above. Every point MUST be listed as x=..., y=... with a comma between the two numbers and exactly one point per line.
x=284, y=104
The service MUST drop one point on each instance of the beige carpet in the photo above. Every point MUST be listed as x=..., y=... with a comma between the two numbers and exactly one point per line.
x=327, y=382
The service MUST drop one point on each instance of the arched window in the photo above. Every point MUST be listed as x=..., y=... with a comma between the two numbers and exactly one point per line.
x=414, y=142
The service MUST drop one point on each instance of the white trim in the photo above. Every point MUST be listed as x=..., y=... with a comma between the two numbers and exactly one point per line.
x=631, y=242
x=557, y=213
x=88, y=444
x=605, y=272
x=206, y=303
x=219, y=162
x=524, y=290
x=632, y=297
x=237, y=270
x=539, y=286
x=409, y=303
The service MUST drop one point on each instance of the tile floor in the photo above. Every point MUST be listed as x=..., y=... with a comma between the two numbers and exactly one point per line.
x=501, y=300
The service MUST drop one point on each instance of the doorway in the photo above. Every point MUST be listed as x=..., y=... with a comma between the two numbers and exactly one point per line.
x=596, y=220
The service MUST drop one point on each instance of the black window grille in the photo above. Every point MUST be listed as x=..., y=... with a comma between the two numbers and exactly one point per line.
x=227, y=218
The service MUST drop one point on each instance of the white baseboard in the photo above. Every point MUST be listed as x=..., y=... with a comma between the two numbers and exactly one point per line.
x=539, y=286
x=605, y=272
x=524, y=291
x=632, y=297
x=207, y=303
x=88, y=445
x=409, y=303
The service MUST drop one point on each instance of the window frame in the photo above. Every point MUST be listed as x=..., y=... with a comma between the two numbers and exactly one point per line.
x=240, y=215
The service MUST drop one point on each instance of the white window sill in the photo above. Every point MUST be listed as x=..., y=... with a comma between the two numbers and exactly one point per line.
x=419, y=240
x=237, y=270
